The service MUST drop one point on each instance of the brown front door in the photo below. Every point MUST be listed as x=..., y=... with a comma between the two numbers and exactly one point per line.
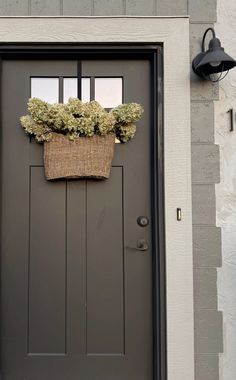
x=76, y=294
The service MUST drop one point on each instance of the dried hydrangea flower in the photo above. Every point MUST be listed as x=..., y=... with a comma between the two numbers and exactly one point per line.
x=76, y=119
x=86, y=126
x=39, y=131
x=106, y=123
x=54, y=116
x=128, y=113
x=72, y=136
x=125, y=132
x=75, y=107
x=38, y=109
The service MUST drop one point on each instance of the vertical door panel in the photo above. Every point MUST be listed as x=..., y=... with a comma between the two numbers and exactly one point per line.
x=76, y=269
x=105, y=266
x=47, y=265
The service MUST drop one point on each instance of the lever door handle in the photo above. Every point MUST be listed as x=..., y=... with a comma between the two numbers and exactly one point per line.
x=142, y=245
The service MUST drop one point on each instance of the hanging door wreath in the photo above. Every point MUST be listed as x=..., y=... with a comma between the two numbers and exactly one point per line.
x=79, y=137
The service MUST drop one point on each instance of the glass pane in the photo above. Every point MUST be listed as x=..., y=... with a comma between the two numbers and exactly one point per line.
x=46, y=89
x=71, y=88
x=85, y=89
x=108, y=91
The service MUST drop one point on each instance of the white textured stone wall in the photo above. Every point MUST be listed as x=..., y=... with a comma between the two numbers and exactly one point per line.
x=226, y=190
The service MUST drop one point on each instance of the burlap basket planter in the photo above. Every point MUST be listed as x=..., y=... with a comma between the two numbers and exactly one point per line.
x=85, y=157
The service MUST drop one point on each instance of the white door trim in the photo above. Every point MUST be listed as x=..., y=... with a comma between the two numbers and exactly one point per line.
x=173, y=32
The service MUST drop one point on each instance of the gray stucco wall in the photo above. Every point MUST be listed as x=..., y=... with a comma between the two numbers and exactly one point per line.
x=205, y=155
x=226, y=190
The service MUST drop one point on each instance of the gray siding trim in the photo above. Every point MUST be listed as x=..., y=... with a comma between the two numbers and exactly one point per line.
x=78, y=8
x=140, y=7
x=205, y=173
x=205, y=163
x=207, y=247
x=165, y=8
x=14, y=8
x=207, y=367
x=109, y=7
x=205, y=288
x=45, y=7
x=202, y=121
x=209, y=331
x=202, y=10
x=203, y=204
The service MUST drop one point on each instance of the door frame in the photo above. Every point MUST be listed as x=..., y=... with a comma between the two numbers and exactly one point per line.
x=168, y=39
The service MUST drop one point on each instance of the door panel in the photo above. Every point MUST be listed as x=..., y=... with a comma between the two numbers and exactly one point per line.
x=47, y=256
x=76, y=296
x=105, y=278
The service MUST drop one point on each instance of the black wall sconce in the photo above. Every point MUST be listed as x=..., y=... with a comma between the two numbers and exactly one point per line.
x=212, y=61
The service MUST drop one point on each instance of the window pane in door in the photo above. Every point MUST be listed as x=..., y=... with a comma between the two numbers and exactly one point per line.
x=46, y=89
x=85, y=89
x=70, y=89
x=108, y=91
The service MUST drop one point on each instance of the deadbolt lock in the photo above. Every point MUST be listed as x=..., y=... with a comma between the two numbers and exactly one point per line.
x=143, y=221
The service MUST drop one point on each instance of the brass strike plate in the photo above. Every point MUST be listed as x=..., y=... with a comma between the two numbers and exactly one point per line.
x=179, y=214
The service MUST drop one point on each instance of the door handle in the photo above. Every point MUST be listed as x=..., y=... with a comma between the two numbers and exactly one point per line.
x=142, y=245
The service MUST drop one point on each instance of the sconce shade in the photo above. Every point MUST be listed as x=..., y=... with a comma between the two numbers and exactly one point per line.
x=212, y=61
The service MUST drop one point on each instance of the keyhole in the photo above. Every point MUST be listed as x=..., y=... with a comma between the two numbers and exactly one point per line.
x=143, y=221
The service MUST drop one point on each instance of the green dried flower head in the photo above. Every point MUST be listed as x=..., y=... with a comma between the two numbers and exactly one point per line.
x=38, y=109
x=75, y=107
x=72, y=136
x=68, y=122
x=93, y=109
x=105, y=123
x=76, y=119
x=86, y=126
x=125, y=132
x=39, y=131
x=128, y=113
x=54, y=119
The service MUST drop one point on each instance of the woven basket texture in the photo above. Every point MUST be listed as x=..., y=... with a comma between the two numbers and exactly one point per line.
x=85, y=157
